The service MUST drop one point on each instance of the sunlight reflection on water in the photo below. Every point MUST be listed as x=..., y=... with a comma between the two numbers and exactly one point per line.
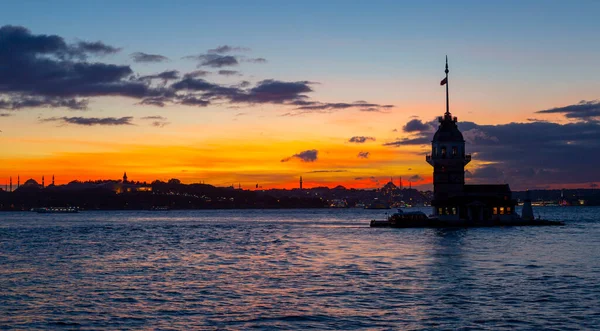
x=293, y=269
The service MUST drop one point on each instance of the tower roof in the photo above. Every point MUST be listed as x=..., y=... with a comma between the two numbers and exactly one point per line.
x=448, y=130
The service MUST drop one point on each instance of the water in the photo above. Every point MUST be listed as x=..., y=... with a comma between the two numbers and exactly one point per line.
x=294, y=269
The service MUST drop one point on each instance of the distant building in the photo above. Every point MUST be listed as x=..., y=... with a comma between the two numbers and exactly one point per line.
x=452, y=199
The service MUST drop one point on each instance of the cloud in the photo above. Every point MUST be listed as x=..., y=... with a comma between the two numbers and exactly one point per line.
x=148, y=58
x=229, y=73
x=193, y=101
x=486, y=172
x=214, y=60
x=157, y=121
x=197, y=73
x=38, y=70
x=530, y=154
x=97, y=48
x=304, y=156
x=360, y=139
x=165, y=76
x=415, y=178
x=21, y=102
x=155, y=101
x=315, y=106
x=5, y=114
x=227, y=49
x=48, y=72
x=363, y=155
x=417, y=125
x=256, y=60
x=324, y=171
x=90, y=121
x=584, y=110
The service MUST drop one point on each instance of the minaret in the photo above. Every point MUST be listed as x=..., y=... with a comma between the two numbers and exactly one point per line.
x=18, y=181
x=447, y=157
x=11, y=183
x=300, y=182
x=125, y=177
x=52, y=180
x=43, y=185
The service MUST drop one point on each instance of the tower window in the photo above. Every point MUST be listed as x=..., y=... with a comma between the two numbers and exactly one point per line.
x=454, y=151
x=443, y=151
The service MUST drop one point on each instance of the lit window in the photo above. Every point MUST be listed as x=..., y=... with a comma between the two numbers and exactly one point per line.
x=453, y=210
x=443, y=151
x=508, y=210
x=501, y=210
x=440, y=211
x=495, y=211
x=454, y=151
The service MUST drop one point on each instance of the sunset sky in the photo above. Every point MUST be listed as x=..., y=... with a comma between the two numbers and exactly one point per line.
x=338, y=92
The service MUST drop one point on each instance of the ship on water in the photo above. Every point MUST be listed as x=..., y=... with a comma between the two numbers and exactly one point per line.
x=454, y=202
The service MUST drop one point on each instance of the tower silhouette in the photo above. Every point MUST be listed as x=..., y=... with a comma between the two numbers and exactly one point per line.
x=448, y=156
x=125, y=177
x=43, y=185
x=300, y=182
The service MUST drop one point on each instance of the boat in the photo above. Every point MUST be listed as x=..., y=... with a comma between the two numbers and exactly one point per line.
x=160, y=208
x=403, y=219
x=56, y=210
x=378, y=204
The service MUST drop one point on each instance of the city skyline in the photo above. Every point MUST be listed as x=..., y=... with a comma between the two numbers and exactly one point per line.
x=351, y=98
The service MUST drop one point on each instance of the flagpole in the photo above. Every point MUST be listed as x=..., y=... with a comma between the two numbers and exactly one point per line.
x=447, y=97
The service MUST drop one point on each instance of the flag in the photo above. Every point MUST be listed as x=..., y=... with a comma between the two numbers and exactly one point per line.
x=444, y=81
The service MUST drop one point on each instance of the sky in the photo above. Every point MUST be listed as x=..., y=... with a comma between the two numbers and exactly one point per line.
x=263, y=92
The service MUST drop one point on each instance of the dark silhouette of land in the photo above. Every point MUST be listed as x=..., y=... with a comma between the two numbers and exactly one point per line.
x=127, y=195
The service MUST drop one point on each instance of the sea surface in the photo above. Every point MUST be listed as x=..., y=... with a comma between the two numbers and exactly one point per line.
x=294, y=270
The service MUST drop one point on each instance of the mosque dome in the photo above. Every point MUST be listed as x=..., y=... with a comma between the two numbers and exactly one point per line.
x=31, y=182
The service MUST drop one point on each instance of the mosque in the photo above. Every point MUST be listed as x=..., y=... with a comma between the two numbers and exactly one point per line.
x=455, y=201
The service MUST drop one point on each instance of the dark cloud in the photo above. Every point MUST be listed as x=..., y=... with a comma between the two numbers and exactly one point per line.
x=148, y=58
x=214, y=60
x=155, y=101
x=317, y=106
x=157, y=121
x=257, y=60
x=360, y=139
x=90, y=121
x=5, y=114
x=584, y=110
x=229, y=73
x=304, y=156
x=528, y=154
x=363, y=155
x=274, y=91
x=228, y=49
x=487, y=172
x=197, y=73
x=46, y=71
x=97, y=48
x=157, y=117
x=415, y=178
x=21, y=102
x=164, y=76
x=321, y=171
x=193, y=101
x=417, y=126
